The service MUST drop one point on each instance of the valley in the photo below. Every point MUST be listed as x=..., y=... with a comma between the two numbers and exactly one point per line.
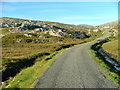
x=28, y=42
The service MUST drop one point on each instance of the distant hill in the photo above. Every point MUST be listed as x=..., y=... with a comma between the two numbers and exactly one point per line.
x=109, y=24
x=32, y=24
x=52, y=28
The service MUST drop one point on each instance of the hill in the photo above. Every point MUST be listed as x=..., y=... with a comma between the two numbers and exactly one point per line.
x=32, y=24
x=111, y=26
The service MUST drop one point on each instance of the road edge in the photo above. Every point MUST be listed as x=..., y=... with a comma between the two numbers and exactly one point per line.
x=106, y=67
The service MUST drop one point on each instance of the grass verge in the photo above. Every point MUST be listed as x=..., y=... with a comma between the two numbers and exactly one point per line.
x=27, y=78
x=107, y=68
x=112, y=52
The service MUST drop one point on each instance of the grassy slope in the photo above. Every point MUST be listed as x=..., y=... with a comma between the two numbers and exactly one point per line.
x=107, y=68
x=33, y=45
x=26, y=78
x=5, y=30
x=112, y=49
x=17, y=56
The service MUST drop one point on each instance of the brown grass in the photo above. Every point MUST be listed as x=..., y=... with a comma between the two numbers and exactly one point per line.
x=111, y=48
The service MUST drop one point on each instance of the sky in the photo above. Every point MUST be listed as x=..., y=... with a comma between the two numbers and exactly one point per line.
x=91, y=13
x=60, y=0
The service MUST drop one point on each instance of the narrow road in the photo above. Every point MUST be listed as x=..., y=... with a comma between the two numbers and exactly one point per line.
x=75, y=68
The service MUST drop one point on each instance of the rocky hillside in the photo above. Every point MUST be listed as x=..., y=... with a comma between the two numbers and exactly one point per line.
x=52, y=28
x=32, y=24
x=112, y=26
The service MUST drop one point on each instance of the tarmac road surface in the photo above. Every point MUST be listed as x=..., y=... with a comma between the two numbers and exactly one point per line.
x=75, y=68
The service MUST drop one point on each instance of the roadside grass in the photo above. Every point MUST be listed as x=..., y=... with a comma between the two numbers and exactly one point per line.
x=111, y=48
x=107, y=68
x=28, y=77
